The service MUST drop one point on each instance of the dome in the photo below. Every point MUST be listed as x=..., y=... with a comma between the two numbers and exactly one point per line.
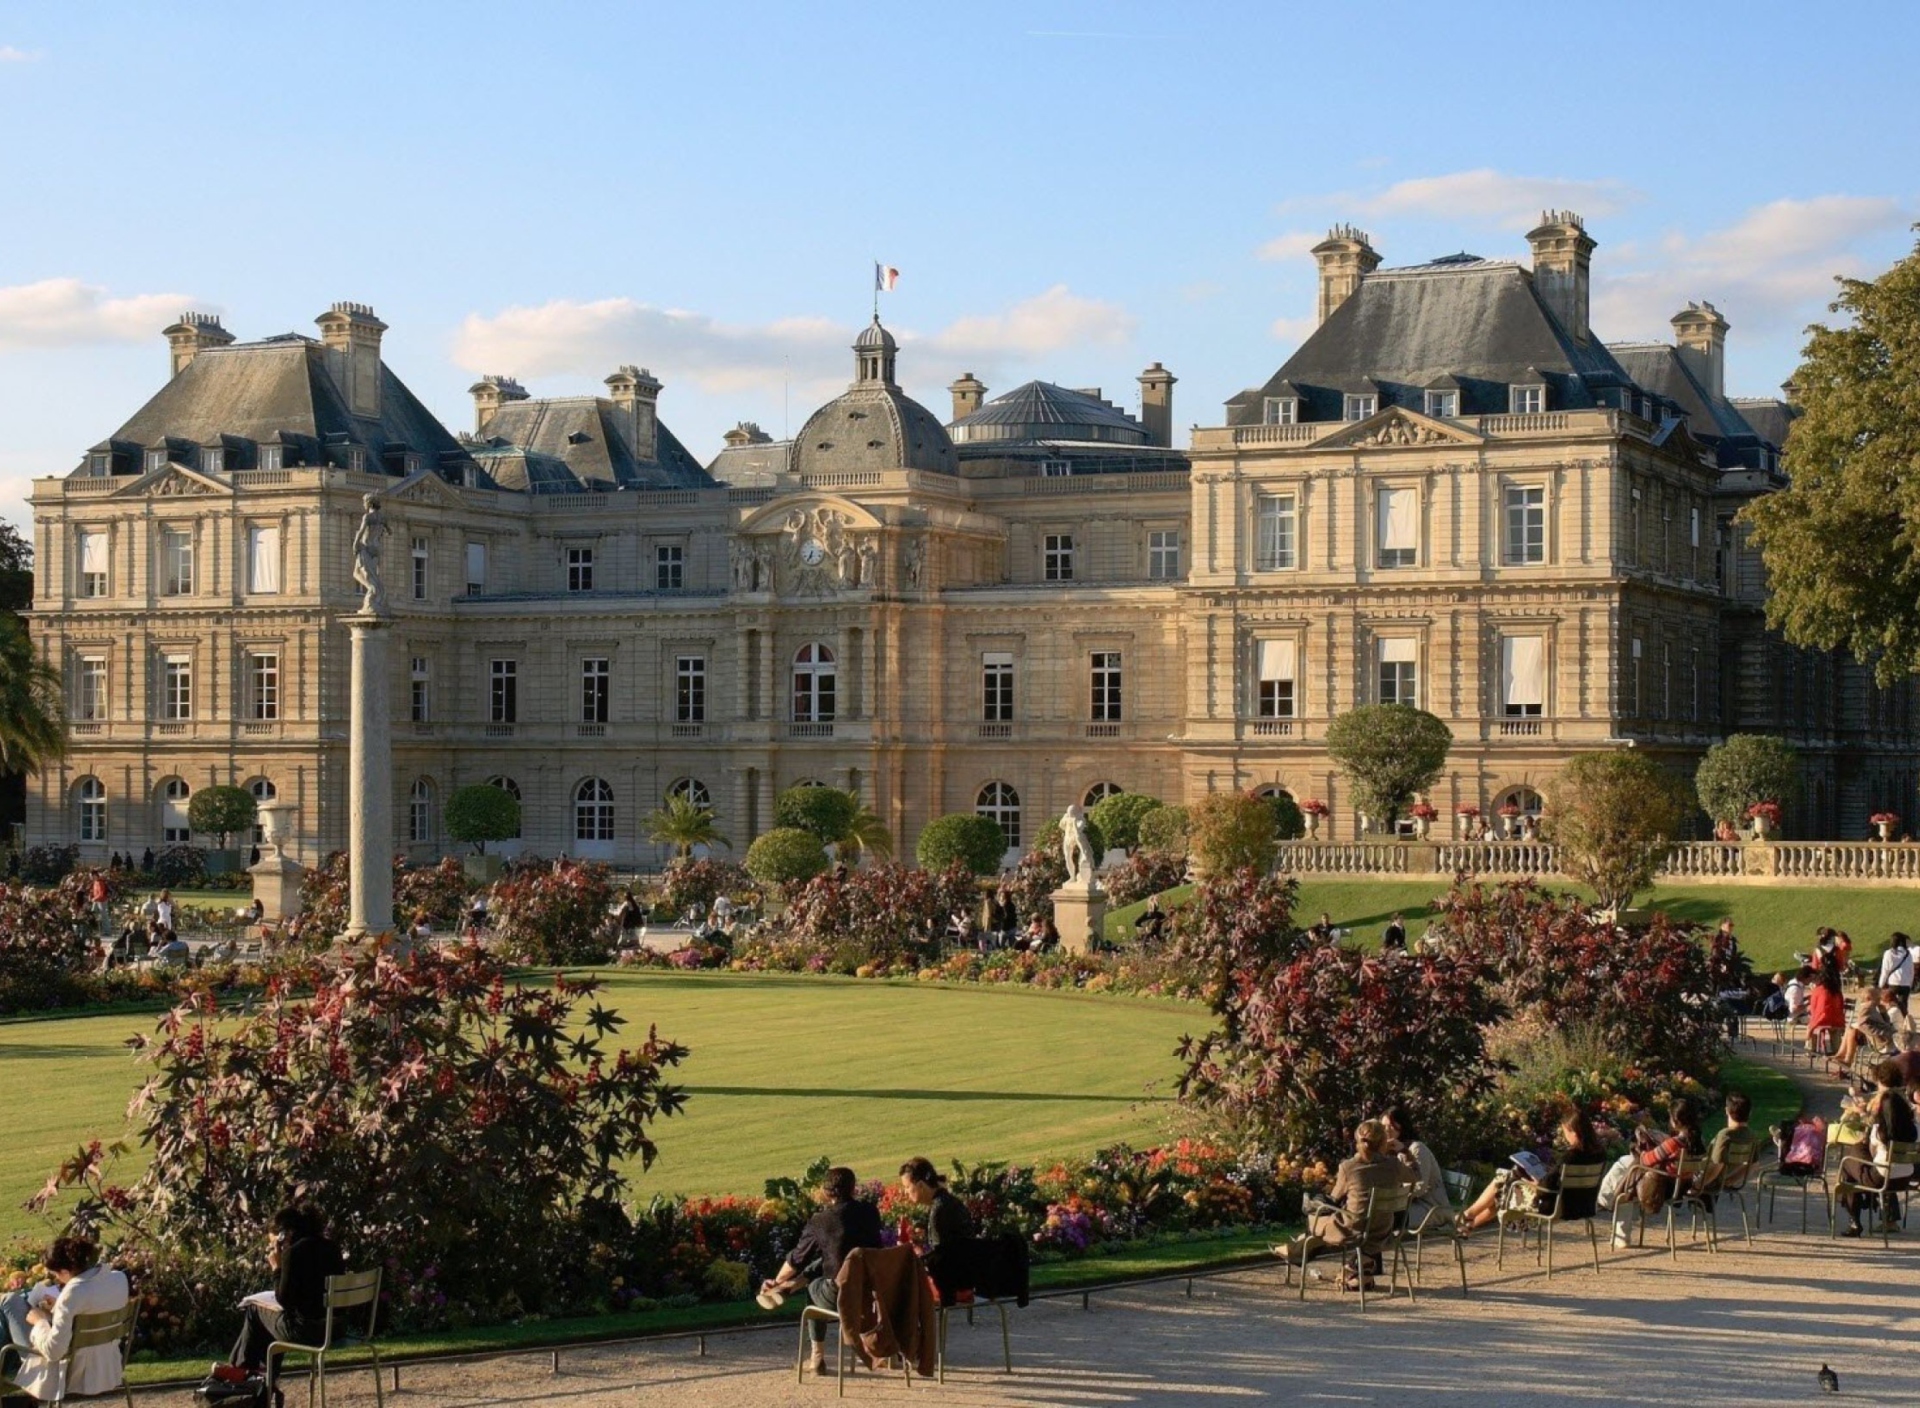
x=873, y=426
x=875, y=338
x=1040, y=410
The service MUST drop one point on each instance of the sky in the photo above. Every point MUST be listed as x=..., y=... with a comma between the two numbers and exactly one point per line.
x=1070, y=190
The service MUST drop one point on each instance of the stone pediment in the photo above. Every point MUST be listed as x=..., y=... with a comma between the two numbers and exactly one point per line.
x=170, y=481
x=806, y=546
x=1397, y=428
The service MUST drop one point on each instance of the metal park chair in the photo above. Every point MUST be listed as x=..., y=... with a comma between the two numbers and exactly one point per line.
x=348, y=1292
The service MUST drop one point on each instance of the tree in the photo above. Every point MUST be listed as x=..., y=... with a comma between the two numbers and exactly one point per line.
x=1164, y=831
x=786, y=855
x=33, y=710
x=1118, y=817
x=962, y=838
x=481, y=812
x=827, y=812
x=682, y=823
x=1842, y=557
x=1616, y=816
x=1744, y=769
x=1390, y=754
x=867, y=835
x=222, y=810
x=1289, y=823
x=1231, y=831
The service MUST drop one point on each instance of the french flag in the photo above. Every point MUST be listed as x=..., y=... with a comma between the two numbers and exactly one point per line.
x=884, y=278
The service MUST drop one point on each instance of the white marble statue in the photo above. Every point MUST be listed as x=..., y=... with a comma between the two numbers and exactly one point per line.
x=367, y=540
x=1076, y=846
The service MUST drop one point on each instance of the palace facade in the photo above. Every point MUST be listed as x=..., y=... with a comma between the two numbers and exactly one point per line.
x=1453, y=495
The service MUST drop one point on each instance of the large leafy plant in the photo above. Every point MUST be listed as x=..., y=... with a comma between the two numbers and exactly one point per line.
x=556, y=913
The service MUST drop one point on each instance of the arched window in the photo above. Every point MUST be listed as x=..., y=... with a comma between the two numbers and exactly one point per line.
x=1517, y=812
x=1099, y=793
x=593, y=810
x=813, y=685
x=512, y=789
x=694, y=790
x=263, y=792
x=90, y=802
x=420, y=811
x=998, y=801
x=174, y=827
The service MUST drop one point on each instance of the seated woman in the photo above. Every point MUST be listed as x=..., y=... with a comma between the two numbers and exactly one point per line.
x=1872, y=1026
x=39, y=1325
x=1890, y=1121
x=302, y=1257
x=1341, y=1219
x=1575, y=1146
x=1151, y=926
x=1647, y=1178
x=949, y=1228
x=1429, y=1207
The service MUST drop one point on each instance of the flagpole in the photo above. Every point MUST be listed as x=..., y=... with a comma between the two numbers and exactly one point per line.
x=876, y=290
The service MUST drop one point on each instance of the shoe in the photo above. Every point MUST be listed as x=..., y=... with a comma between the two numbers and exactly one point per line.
x=1621, y=1242
x=770, y=1300
x=1853, y=1231
x=819, y=1368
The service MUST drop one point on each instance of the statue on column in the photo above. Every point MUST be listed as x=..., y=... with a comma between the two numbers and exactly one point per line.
x=367, y=541
x=1076, y=846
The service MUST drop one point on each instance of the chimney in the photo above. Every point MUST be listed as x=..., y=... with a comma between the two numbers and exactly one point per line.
x=192, y=335
x=1562, y=254
x=1156, y=404
x=1345, y=256
x=351, y=335
x=489, y=394
x=968, y=393
x=1701, y=335
x=636, y=396
x=746, y=433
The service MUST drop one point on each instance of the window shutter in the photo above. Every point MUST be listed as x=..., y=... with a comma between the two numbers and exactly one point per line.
x=1523, y=671
x=477, y=564
x=1399, y=650
x=93, y=553
x=1277, y=660
x=265, y=561
x=1398, y=528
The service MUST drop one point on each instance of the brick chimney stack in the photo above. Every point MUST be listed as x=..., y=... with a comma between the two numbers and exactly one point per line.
x=351, y=334
x=636, y=397
x=1562, y=259
x=489, y=394
x=969, y=393
x=1700, y=332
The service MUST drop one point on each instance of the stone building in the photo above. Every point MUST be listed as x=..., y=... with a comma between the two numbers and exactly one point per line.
x=1453, y=494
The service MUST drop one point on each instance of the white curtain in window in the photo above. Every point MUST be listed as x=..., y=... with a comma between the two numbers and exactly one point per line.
x=93, y=553
x=1399, y=650
x=477, y=564
x=1523, y=676
x=1398, y=528
x=1276, y=660
x=263, y=559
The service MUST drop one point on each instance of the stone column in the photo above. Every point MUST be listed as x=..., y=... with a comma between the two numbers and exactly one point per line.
x=369, y=782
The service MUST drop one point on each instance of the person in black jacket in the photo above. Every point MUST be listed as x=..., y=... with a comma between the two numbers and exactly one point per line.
x=1579, y=1146
x=301, y=1257
x=949, y=1228
x=843, y=1224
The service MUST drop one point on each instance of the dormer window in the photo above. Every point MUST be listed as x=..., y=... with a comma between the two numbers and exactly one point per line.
x=270, y=456
x=1359, y=406
x=100, y=462
x=1055, y=469
x=1527, y=400
x=156, y=459
x=1281, y=410
x=1443, y=404
x=213, y=458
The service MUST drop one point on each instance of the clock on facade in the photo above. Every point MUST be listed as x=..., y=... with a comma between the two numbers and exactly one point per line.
x=812, y=553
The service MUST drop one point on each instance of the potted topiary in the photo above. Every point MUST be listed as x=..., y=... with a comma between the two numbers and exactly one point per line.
x=479, y=813
x=222, y=811
x=1312, y=811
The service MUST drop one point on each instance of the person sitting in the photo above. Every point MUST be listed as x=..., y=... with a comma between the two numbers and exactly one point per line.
x=1151, y=926
x=170, y=948
x=1341, y=1219
x=38, y=1325
x=844, y=1223
x=1873, y=1026
x=301, y=1257
x=721, y=916
x=1393, y=939
x=1526, y=1183
x=1323, y=932
x=949, y=1228
x=1648, y=1176
x=1774, y=1004
x=1734, y=1147
x=1429, y=1206
x=1890, y=1121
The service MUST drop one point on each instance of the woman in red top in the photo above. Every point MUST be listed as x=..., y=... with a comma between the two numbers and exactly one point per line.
x=1826, y=1008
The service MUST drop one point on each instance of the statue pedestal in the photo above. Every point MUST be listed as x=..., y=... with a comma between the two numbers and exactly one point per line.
x=276, y=884
x=1077, y=914
x=369, y=783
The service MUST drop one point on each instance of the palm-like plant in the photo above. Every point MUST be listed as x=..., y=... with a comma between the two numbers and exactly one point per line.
x=33, y=713
x=866, y=835
x=682, y=823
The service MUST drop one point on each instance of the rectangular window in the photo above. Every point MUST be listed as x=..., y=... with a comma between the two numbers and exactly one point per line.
x=422, y=695
x=420, y=569
x=1445, y=404
x=263, y=560
x=476, y=568
x=176, y=687
x=90, y=689
x=156, y=459
x=263, y=685
x=1693, y=686
x=272, y=456
x=1397, y=512
x=93, y=562
x=1274, y=534
x=1633, y=677
x=1106, y=686
x=996, y=686
x=1666, y=681
x=669, y=567
x=1282, y=410
x=1693, y=527
x=596, y=678
x=690, y=689
x=176, y=562
x=1523, y=675
x=1058, y=563
x=1526, y=523
x=1527, y=400
x=1163, y=554
x=503, y=700
x=579, y=569
x=1277, y=665
x=1359, y=407
x=1055, y=469
x=1399, y=671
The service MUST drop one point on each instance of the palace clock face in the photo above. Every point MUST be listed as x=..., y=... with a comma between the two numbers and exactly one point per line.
x=812, y=553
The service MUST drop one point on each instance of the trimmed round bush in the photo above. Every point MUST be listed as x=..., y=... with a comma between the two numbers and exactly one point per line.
x=1117, y=817
x=962, y=838
x=481, y=812
x=1289, y=824
x=827, y=812
x=222, y=811
x=1164, y=831
x=786, y=855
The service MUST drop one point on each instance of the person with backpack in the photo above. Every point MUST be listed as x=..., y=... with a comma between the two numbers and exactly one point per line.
x=1896, y=969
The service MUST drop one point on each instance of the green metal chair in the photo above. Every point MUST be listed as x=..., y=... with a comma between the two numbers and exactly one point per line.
x=1437, y=1224
x=1575, y=1199
x=1383, y=1234
x=348, y=1292
x=90, y=1331
x=1772, y=1180
x=1687, y=1176
x=1900, y=1152
x=945, y=1311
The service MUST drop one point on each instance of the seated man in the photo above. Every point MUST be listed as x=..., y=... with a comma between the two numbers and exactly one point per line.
x=1734, y=1147
x=39, y=1324
x=1341, y=1220
x=949, y=1228
x=843, y=1224
x=1872, y=1025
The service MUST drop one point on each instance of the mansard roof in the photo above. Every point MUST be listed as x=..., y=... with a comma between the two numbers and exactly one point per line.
x=1040, y=410
x=590, y=438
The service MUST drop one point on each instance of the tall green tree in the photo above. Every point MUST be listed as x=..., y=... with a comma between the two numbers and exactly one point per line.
x=33, y=710
x=1841, y=544
x=682, y=823
x=1390, y=754
x=1744, y=769
x=1616, y=816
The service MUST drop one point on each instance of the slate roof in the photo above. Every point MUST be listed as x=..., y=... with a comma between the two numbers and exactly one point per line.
x=1041, y=410
x=1770, y=418
x=759, y=462
x=1477, y=320
x=588, y=437
x=873, y=425
x=1740, y=432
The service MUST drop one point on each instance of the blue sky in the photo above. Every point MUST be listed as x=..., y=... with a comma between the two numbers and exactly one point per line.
x=1071, y=190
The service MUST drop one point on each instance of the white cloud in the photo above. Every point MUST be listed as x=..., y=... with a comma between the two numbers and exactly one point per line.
x=1045, y=323
x=69, y=313
x=1296, y=244
x=11, y=55
x=1772, y=268
x=1497, y=198
x=1292, y=329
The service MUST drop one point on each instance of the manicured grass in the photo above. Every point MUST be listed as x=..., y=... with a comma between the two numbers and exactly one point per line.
x=1775, y=1096
x=783, y=1069
x=1772, y=921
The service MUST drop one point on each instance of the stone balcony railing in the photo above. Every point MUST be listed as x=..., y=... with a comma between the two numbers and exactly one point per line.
x=1865, y=863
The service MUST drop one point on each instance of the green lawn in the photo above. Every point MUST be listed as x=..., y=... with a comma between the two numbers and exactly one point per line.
x=783, y=1069
x=1772, y=922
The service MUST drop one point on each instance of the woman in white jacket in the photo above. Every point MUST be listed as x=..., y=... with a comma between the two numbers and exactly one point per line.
x=40, y=1330
x=1896, y=970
